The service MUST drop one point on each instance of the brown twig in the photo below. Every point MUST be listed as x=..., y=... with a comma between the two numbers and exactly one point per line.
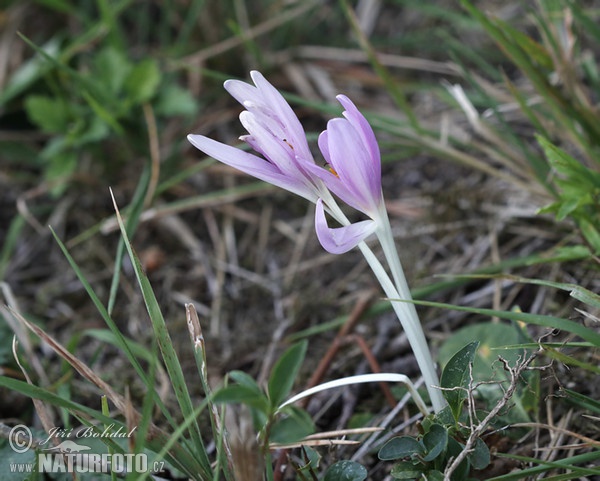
x=476, y=431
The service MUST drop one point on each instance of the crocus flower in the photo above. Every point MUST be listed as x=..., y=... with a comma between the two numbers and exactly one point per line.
x=353, y=175
x=275, y=132
x=350, y=148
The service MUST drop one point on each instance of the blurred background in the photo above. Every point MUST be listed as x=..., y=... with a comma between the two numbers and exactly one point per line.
x=101, y=94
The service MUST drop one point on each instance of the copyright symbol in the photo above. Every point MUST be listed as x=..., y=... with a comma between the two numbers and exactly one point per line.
x=20, y=438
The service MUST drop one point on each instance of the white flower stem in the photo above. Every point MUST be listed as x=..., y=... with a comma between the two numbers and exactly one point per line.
x=398, y=290
x=407, y=314
x=412, y=327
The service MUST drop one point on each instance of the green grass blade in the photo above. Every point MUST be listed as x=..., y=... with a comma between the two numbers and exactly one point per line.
x=120, y=341
x=543, y=466
x=584, y=401
x=529, y=56
x=137, y=205
x=168, y=352
x=36, y=392
x=577, y=292
x=538, y=319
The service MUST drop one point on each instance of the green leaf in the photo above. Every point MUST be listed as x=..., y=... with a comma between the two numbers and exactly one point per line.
x=492, y=338
x=246, y=380
x=293, y=427
x=569, y=167
x=284, y=373
x=400, y=447
x=112, y=69
x=174, y=100
x=454, y=449
x=480, y=457
x=59, y=170
x=49, y=114
x=143, y=81
x=346, y=471
x=406, y=470
x=435, y=475
x=590, y=232
x=445, y=416
x=238, y=394
x=455, y=377
x=30, y=71
x=435, y=442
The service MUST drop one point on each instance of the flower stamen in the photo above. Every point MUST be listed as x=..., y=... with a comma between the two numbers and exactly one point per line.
x=332, y=170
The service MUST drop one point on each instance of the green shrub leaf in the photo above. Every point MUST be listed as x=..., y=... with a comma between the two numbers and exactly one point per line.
x=49, y=114
x=406, y=470
x=480, y=457
x=400, y=447
x=346, y=471
x=455, y=378
x=435, y=442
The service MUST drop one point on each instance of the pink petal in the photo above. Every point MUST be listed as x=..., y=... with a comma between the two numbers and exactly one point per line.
x=274, y=149
x=242, y=91
x=336, y=185
x=270, y=108
x=324, y=145
x=362, y=126
x=352, y=162
x=341, y=239
x=252, y=165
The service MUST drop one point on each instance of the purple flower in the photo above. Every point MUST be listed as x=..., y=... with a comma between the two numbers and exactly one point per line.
x=275, y=132
x=350, y=148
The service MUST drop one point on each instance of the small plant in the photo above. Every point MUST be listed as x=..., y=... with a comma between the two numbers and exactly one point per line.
x=353, y=174
x=441, y=438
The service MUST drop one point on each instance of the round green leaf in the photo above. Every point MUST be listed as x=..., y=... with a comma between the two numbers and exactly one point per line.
x=400, y=447
x=143, y=81
x=346, y=471
x=435, y=442
x=480, y=457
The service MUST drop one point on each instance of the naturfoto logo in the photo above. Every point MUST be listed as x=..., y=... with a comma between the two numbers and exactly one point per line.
x=72, y=455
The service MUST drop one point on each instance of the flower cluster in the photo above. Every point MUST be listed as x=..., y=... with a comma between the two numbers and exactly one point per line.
x=348, y=146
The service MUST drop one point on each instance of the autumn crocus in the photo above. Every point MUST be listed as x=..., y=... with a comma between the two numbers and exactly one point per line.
x=352, y=174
